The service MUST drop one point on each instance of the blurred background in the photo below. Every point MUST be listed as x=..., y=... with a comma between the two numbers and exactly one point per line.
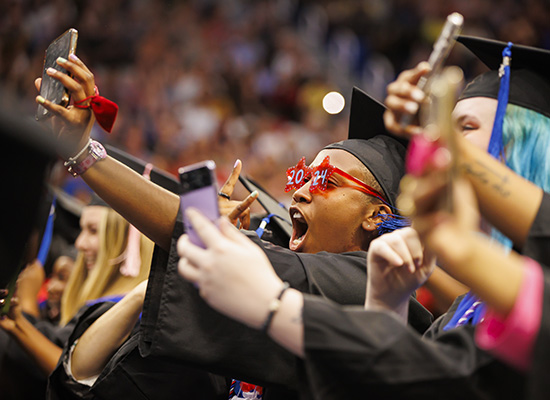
x=242, y=78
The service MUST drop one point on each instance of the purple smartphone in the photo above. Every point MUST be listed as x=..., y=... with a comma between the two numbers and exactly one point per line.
x=199, y=190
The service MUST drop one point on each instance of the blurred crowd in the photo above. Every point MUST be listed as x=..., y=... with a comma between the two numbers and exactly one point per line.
x=240, y=78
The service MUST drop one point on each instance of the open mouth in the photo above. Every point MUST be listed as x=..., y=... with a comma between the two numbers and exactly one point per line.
x=299, y=230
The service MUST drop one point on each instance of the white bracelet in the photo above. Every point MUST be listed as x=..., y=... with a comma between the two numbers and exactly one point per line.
x=72, y=160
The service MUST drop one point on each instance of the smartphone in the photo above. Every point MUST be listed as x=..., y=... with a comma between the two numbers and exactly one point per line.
x=199, y=189
x=51, y=89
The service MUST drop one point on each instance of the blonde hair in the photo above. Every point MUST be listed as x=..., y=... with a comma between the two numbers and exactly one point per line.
x=104, y=279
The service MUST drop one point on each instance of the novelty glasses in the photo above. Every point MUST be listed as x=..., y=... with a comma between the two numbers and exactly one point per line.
x=300, y=174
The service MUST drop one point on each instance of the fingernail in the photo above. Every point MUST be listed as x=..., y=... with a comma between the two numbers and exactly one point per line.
x=40, y=99
x=425, y=65
x=254, y=193
x=411, y=107
x=73, y=57
x=51, y=71
x=236, y=163
x=417, y=95
x=61, y=60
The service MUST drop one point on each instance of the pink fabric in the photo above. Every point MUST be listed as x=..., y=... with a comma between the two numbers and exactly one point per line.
x=511, y=339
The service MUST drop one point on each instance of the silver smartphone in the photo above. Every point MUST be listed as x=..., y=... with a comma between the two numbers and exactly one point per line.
x=51, y=89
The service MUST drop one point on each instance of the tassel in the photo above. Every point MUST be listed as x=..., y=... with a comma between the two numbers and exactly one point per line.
x=47, y=236
x=391, y=222
x=496, y=147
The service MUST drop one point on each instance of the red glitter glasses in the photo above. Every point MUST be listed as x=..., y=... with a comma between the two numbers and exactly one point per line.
x=300, y=174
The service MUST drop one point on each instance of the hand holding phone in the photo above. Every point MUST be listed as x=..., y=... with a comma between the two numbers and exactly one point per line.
x=441, y=49
x=51, y=89
x=199, y=190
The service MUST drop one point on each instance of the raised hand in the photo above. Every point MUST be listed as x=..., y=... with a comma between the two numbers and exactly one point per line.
x=404, y=98
x=232, y=274
x=71, y=124
x=397, y=265
x=235, y=211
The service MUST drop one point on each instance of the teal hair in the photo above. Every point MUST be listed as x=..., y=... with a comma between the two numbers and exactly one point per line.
x=526, y=139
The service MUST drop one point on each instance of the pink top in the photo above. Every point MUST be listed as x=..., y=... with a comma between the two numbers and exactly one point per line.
x=511, y=339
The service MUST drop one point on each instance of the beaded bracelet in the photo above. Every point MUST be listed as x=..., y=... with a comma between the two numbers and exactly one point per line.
x=273, y=308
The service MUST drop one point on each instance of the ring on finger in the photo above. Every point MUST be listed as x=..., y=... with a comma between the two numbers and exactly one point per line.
x=224, y=195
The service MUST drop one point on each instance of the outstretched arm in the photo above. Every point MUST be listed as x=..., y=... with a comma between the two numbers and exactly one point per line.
x=147, y=206
x=498, y=189
x=466, y=255
x=103, y=338
x=396, y=266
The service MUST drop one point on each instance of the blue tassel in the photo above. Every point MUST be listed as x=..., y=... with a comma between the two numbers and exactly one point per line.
x=47, y=237
x=391, y=222
x=263, y=224
x=496, y=148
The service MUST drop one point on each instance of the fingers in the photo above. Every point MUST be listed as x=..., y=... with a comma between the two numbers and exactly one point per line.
x=243, y=206
x=188, y=271
x=52, y=107
x=412, y=76
x=404, y=98
x=401, y=248
x=81, y=74
x=245, y=220
x=406, y=249
x=232, y=233
x=206, y=230
x=381, y=250
x=230, y=183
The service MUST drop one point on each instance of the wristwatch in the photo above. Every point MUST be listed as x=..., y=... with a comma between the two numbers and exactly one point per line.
x=96, y=152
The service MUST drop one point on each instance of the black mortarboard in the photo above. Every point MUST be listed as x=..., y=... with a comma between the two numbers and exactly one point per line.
x=382, y=153
x=277, y=220
x=529, y=78
x=158, y=176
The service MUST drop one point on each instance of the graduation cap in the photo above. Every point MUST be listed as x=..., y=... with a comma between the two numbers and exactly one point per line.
x=519, y=75
x=369, y=141
x=277, y=220
x=158, y=176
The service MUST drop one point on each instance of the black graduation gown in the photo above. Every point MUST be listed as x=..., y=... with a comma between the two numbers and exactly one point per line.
x=350, y=352
x=210, y=340
x=537, y=247
x=130, y=376
x=179, y=326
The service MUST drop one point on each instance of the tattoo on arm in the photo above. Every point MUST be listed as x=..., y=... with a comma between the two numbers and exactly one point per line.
x=488, y=176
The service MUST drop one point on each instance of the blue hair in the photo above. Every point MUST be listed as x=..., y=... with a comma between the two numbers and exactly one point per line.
x=526, y=139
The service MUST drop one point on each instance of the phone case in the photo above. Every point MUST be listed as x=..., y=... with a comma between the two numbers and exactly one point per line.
x=51, y=89
x=200, y=191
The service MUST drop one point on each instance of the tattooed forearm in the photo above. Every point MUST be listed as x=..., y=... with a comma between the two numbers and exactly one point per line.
x=479, y=171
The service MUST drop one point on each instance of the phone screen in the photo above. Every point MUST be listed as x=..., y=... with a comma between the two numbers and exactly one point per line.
x=199, y=190
x=52, y=89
